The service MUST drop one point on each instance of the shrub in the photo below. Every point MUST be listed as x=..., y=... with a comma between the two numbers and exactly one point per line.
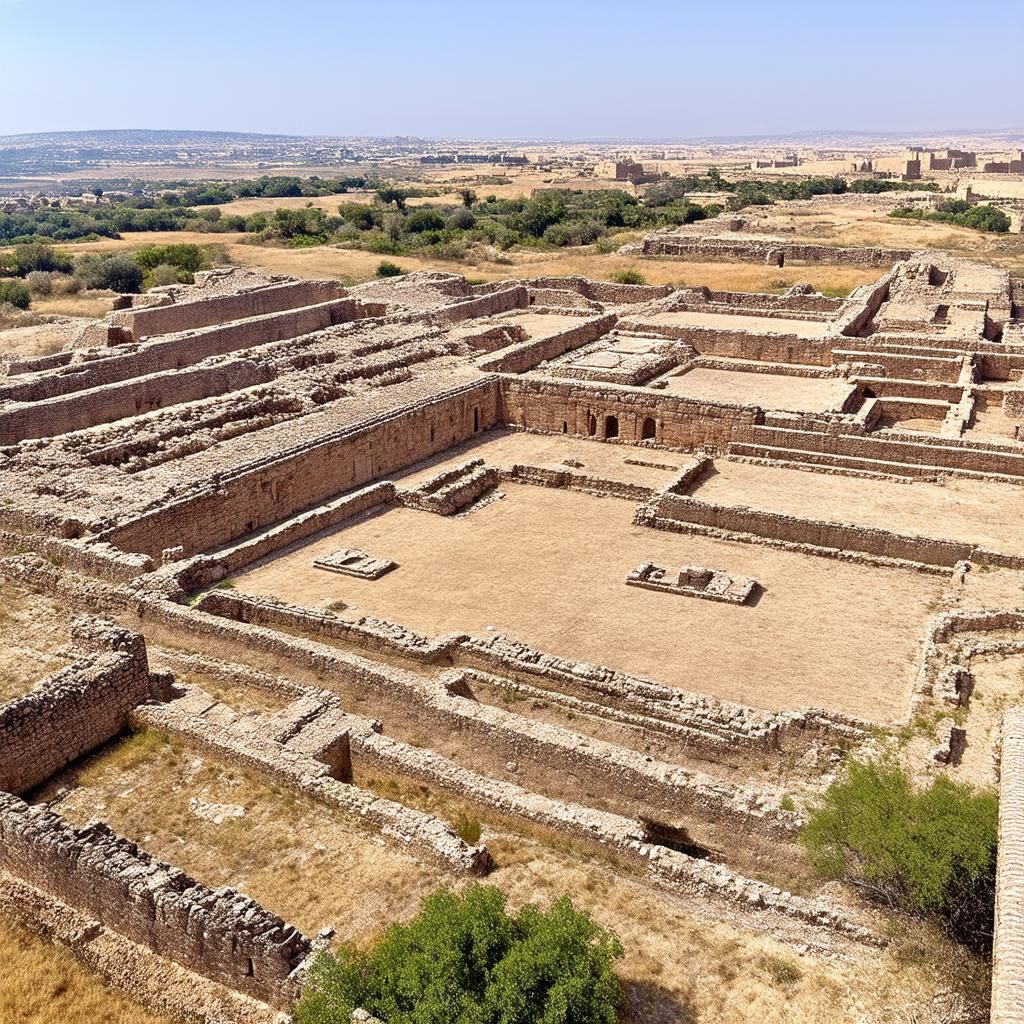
x=184, y=257
x=39, y=282
x=629, y=277
x=15, y=293
x=64, y=284
x=928, y=852
x=468, y=829
x=119, y=273
x=37, y=256
x=425, y=220
x=467, y=961
x=165, y=274
x=388, y=269
x=461, y=218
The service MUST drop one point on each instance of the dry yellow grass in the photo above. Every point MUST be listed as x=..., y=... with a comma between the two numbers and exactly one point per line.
x=306, y=862
x=41, y=983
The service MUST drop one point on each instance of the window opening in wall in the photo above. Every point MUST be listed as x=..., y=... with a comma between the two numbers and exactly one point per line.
x=649, y=429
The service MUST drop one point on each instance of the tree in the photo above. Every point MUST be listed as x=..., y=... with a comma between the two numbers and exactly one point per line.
x=468, y=197
x=930, y=851
x=388, y=195
x=119, y=272
x=465, y=960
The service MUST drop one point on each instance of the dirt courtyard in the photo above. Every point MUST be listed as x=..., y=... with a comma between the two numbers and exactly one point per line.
x=768, y=390
x=548, y=566
x=976, y=511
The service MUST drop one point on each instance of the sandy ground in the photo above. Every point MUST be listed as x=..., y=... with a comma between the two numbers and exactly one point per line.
x=595, y=458
x=547, y=567
x=768, y=390
x=987, y=514
x=739, y=322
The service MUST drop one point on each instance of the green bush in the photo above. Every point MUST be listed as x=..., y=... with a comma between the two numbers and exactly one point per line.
x=37, y=256
x=924, y=851
x=15, y=293
x=185, y=257
x=629, y=277
x=119, y=272
x=39, y=282
x=468, y=961
x=425, y=220
x=388, y=269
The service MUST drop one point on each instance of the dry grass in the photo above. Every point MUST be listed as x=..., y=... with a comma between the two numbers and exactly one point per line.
x=41, y=983
x=301, y=859
x=33, y=638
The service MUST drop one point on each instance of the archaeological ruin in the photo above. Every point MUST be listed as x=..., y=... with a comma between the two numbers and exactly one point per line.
x=636, y=568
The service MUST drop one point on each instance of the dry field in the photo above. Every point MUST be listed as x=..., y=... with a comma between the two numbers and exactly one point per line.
x=302, y=861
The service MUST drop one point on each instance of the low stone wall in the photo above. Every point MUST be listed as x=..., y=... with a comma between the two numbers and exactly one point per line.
x=527, y=354
x=99, y=559
x=1008, y=938
x=500, y=734
x=74, y=710
x=131, y=325
x=306, y=747
x=770, y=250
x=452, y=490
x=816, y=532
x=220, y=933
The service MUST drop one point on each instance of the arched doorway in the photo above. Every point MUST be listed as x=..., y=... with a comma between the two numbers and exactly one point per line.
x=591, y=424
x=649, y=430
x=611, y=426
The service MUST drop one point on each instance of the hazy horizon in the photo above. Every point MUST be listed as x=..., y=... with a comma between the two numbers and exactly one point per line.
x=551, y=71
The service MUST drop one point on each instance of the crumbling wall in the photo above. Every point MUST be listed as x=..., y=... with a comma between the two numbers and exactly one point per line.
x=185, y=316
x=527, y=354
x=267, y=493
x=1008, y=937
x=218, y=933
x=74, y=710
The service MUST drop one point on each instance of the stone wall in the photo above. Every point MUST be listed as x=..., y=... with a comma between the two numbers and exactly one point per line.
x=803, y=531
x=527, y=354
x=268, y=493
x=1008, y=941
x=131, y=325
x=74, y=710
x=218, y=933
x=771, y=250
x=560, y=407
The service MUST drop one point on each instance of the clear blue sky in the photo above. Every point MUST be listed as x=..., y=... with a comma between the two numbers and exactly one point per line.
x=517, y=68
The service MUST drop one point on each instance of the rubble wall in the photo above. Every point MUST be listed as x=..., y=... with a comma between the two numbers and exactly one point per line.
x=72, y=711
x=220, y=933
x=1008, y=941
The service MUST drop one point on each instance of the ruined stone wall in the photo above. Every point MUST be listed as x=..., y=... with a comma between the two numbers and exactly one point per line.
x=268, y=493
x=755, y=250
x=74, y=710
x=820, y=533
x=179, y=352
x=1008, y=940
x=187, y=316
x=220, y=934
x=762, y=345
x=83, y=409
x=927, y=452
x=557, y=407
x=527, y=354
